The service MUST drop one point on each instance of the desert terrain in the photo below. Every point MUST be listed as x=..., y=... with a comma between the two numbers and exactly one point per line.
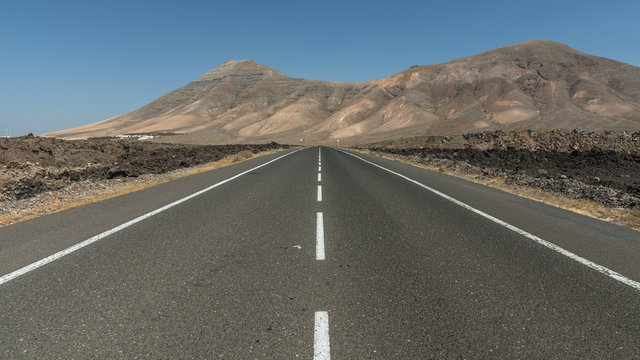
x=40, y=175
x=600, y=169
x=540, y=85
x=508, y=115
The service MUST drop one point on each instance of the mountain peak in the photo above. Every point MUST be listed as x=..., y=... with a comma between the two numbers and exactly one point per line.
x=534, y=84
x=243, y=68
x=540, y=43
x=542, y=51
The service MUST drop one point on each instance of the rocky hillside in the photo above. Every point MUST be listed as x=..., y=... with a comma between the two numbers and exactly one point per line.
x=538, y=84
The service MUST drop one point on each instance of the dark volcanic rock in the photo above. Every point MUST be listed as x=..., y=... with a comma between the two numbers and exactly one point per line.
x=31, y=165
x=602, y=167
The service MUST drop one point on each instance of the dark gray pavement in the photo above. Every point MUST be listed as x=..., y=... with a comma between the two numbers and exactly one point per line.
x=232, y=273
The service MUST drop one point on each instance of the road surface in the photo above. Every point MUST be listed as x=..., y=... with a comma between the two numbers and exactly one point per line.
x=319, y=253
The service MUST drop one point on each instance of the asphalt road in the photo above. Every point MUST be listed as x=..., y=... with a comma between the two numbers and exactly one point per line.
x=319, y=256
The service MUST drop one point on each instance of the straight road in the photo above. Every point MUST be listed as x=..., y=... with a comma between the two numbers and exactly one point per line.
x=319, y=254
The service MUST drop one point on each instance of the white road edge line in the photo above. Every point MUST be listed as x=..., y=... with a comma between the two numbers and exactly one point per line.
x=319, y=192
x=80, y=245
x=599, y=268
x=321, y=349
x=319, y=237
x=319, y=176
x=319, y=168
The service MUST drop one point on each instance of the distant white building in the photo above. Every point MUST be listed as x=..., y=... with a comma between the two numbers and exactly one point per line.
x=139, y=137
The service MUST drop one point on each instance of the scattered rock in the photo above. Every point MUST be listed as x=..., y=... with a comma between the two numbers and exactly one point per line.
x=602, y=167
x=35, y=171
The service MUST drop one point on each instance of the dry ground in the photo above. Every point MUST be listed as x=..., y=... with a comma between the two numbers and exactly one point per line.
x=595, y=174
x=39, y=176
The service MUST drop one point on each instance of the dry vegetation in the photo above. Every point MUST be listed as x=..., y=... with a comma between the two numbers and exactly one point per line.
x=243, y=155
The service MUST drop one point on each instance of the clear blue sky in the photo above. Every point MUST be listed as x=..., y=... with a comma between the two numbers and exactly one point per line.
x=69, y=63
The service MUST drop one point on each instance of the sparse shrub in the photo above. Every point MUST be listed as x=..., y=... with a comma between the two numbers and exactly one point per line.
x=386, y=143
x=242, y=155
x=624, y=148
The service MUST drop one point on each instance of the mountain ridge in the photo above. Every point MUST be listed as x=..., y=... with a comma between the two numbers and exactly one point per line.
x=535, y=84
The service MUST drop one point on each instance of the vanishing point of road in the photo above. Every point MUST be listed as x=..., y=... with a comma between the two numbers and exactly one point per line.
x=319, y=253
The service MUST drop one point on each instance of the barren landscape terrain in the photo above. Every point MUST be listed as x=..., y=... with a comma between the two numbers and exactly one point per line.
x=38, y=173
x=465, y=117
x=539, y=85
x=597, y=167
x=320, y=180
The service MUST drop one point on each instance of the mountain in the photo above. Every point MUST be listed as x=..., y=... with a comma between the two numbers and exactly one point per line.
x=536, y=84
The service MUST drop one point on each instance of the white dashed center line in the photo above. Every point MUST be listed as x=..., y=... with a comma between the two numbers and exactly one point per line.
x=321, y=350
x=319, y=237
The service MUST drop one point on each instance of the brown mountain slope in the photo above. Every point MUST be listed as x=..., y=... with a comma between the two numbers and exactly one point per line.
x=536, y=84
